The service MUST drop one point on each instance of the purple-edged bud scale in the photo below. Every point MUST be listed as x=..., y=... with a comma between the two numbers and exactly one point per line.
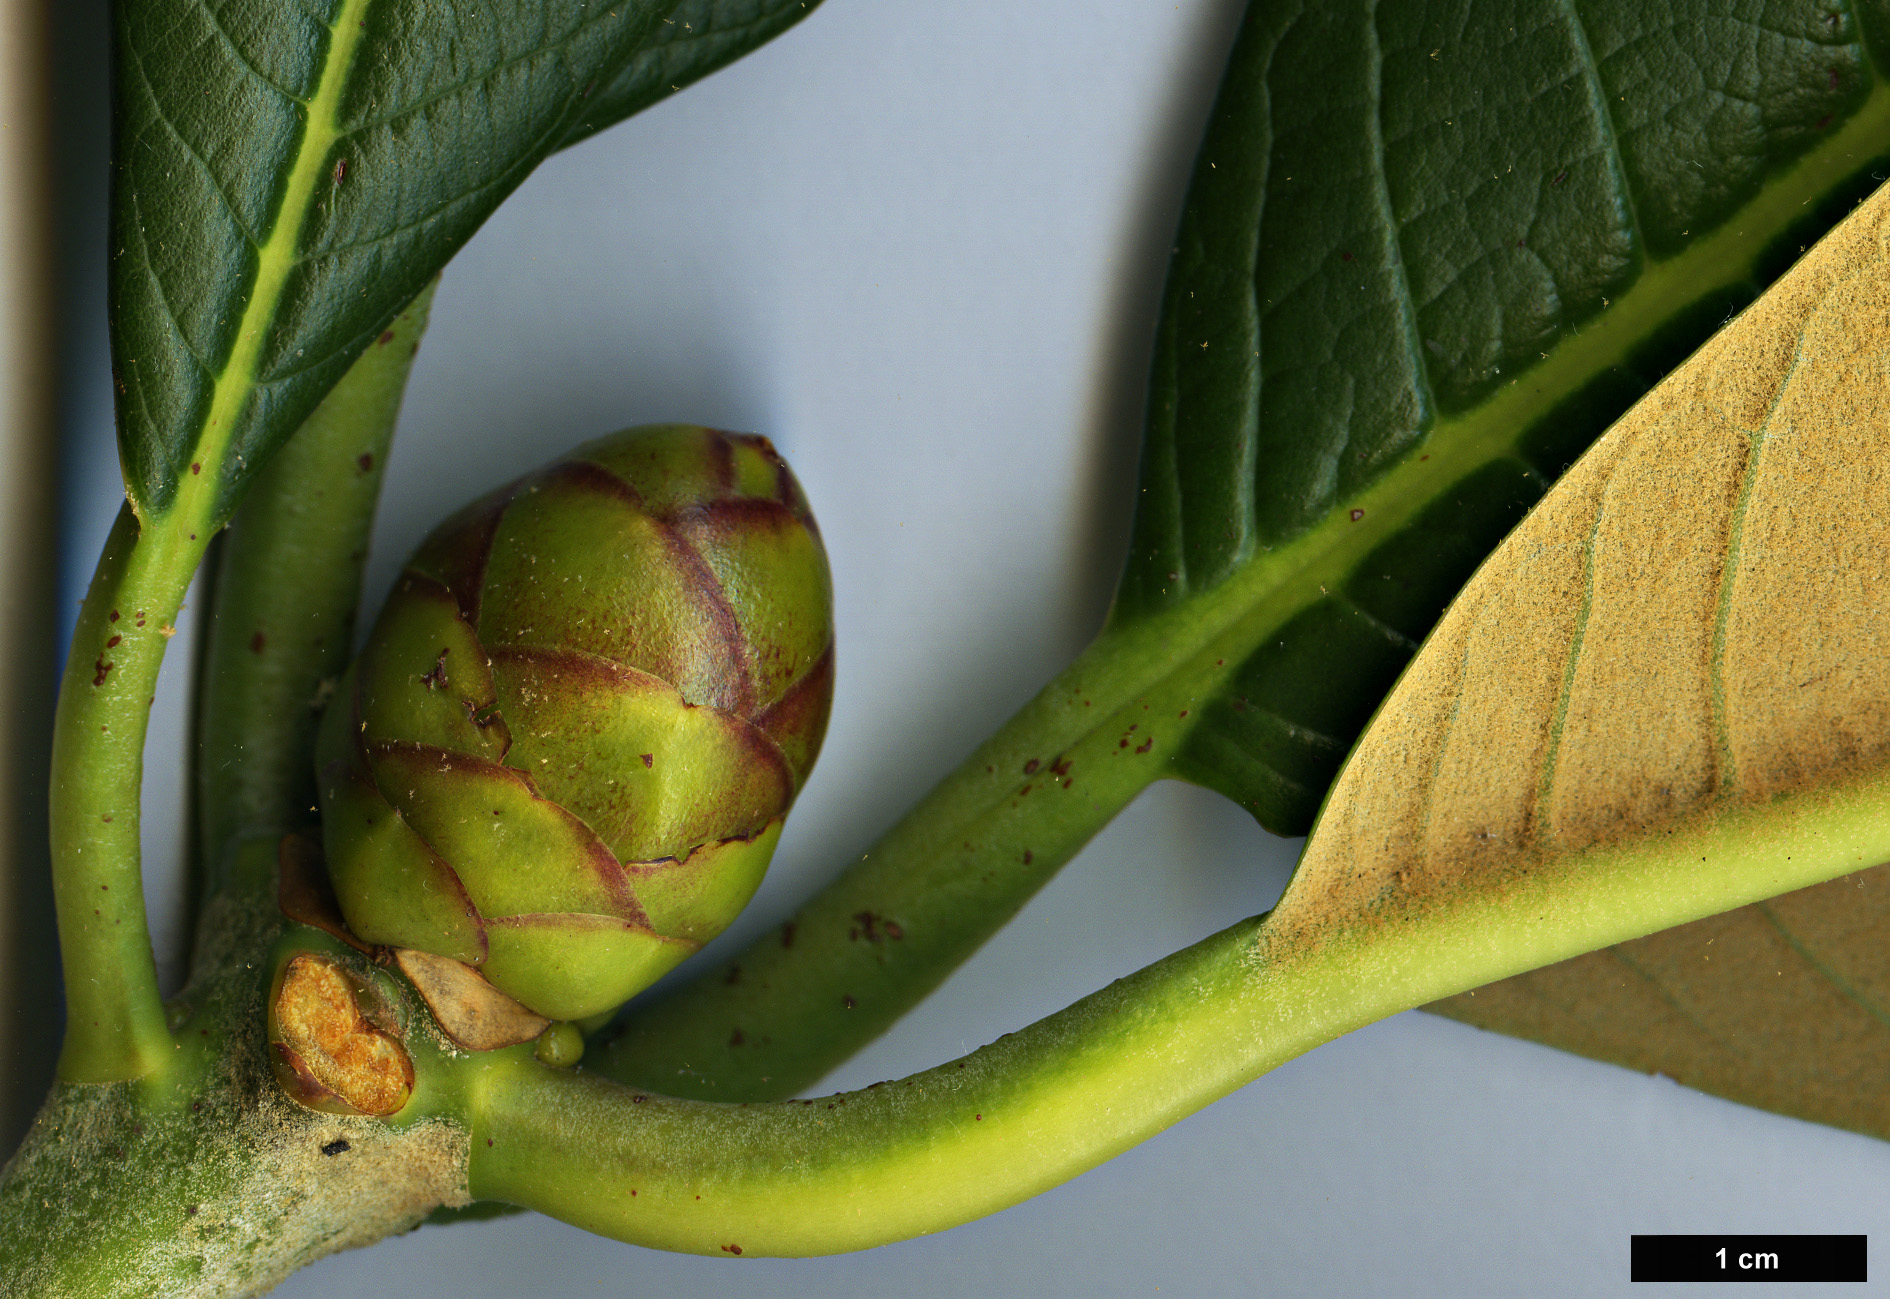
x=564, y=755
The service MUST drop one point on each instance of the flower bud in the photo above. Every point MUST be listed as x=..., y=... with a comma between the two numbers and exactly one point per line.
x=564, y=755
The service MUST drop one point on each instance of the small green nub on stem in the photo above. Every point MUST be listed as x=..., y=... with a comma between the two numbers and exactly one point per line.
x=561, y=1045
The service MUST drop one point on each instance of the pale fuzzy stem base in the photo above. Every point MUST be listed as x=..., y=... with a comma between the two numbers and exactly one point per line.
x=204, y=1181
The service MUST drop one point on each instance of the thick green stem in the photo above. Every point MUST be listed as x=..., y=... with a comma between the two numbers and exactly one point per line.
x=286, y=600
x=1036, y=1108
x=312, y=524
x=896, y=1160
x=114, y=1022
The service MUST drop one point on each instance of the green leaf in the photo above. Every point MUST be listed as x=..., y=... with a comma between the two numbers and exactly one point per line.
x=1429, y=253
x=288, y=176
x=698, y=37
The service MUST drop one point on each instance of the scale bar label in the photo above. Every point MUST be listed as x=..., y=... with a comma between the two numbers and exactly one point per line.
x=1749, y=1258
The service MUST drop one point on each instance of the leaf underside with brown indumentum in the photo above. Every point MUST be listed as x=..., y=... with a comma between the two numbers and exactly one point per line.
x=1683, y=651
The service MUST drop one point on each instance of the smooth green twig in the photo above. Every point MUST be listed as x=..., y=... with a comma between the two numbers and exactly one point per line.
x=286, y=600
x=114, y=1022
x=1036, y=1108
x=312, y=523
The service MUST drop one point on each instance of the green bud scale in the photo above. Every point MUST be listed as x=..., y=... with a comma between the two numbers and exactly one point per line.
x=565, y=753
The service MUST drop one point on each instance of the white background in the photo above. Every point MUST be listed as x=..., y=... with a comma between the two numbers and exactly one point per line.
x=919, y=245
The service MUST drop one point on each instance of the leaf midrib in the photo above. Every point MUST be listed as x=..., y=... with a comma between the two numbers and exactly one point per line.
x=276, y=260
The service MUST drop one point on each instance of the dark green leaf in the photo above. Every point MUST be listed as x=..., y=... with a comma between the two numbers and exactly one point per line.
x=288, y=176
x=697, y=38
x=1430, y=252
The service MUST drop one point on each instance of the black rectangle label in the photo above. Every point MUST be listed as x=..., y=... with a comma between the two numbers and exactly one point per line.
x=1749, y=1258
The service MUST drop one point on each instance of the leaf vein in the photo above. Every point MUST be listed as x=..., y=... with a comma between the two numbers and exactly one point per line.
x=1673, y=1004
x=236, y=52
x=1804, y=953
x=163, y=297
x=1598, y=98
x=1552, y=748
x=474, y=81
x=136, y=61
x=1394, y=232
x=1377, y=624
